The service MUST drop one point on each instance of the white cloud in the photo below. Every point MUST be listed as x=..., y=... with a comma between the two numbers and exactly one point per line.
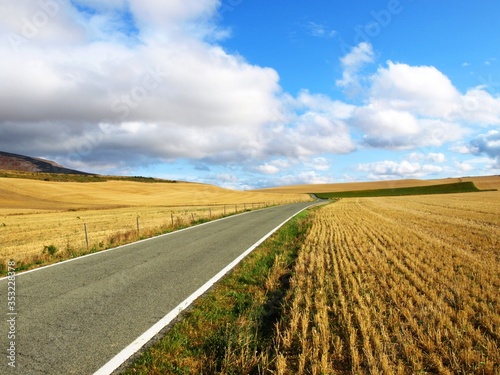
x=460, y=148
x=410, y=106
x=464, y=167
x=406, y=106
x=302, y=178
x=479, y=166
x=124, y=83
x=275, y=166
x=360, y=55
x=267, y=169
x=310, y=125
x=479, y=107
x=421, y=90
x=436, y=157
x=487, y=144
x=320, y=164
x=320, y=30
x=323, y=104
x=352, y=63
x=163, y=93
x=386, y=170
x=42, y=23
x=433, y=157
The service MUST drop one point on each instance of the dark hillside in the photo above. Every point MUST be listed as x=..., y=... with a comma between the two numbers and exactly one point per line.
x=15, y=162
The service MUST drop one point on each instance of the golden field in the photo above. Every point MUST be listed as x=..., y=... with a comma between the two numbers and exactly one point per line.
x=35, y=214
x=396, y=285
x=482, y=183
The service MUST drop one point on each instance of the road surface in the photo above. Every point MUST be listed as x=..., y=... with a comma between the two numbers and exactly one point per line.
x=72, y=318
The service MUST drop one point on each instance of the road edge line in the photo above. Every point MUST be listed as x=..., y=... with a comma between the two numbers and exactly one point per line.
x=142, y=340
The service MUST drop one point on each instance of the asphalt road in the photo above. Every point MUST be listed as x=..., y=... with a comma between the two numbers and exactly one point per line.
x=74, y=317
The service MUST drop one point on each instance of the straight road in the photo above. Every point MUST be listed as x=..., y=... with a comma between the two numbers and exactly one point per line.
x=72, y=318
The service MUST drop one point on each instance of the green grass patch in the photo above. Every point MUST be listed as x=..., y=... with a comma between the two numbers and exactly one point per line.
x=459, y=187
x=230, y=329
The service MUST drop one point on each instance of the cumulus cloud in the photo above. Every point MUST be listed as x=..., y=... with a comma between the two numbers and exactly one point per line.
x=302, y=178
x=408, y=107
x=319, y=30
x=320, y=164
x=159, y=90
x=352, y=63
x=386, y=170
x=464, y=167
x=124, y=83
x=267, y=169
x=421, y=90
x=433, y=157
x=310, y=134
x=414, y=165
x=309, y=125
x=479, y=107
x=488, y=144
x=275, y=166
x=436, y=157
x=460, y=148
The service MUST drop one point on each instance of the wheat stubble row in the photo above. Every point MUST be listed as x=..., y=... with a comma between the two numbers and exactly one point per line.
x=397, y=285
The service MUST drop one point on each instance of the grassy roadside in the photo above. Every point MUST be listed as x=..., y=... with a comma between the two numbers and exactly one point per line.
x=51, y=254
x=230, y=329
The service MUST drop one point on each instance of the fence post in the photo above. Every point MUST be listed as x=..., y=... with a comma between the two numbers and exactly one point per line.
x=172, y=217
x=137, y=224
x=210, y=212
x=86, y=236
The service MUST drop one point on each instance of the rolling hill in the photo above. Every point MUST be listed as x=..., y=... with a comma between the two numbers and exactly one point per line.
x=482, y=183
x=22, y=163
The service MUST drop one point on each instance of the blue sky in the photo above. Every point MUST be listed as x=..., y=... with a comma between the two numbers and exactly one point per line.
x=304, y=41
x=248, y=94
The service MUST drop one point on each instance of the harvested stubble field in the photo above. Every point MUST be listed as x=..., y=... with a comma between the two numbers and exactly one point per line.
x=39, y=214
x=399, y=285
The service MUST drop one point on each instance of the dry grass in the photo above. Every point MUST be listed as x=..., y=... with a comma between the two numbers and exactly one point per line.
x=20, y=195
x=229, y=330
x=400, y=285
x=483, y=183
x=35, y=214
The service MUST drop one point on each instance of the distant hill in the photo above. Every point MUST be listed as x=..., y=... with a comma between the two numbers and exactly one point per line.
x=21, y=163
x=482, y=183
